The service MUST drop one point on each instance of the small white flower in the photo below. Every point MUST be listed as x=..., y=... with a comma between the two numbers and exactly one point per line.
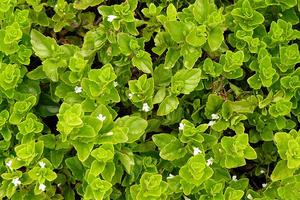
x=210, y=161
x=249, y=196
x=186, y=198
x=214, y=116
x=146, y=107
x=262, y=171
x=58, y=185
x=111, y=18
x=101, y=117
x=234, y=178
x=109, y=133
x=210, y=123
x=78, y=89
x=16, y=182
x=170, y=176
x=42, y=164
x=196, y=151
x=42, y=187
x=115, y=84
x=130, y=95
x=181, y=126
x=8, y=164
x=264, y=185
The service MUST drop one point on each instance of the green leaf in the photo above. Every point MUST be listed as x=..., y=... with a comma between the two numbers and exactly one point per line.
x=109, y=171
x=281, y=171
x=84, y=4
x=289, y=55
x=171, y=12
x=233, y=60
x=168, y=105
x=30, y=125
x=293, y=161
x=159, y=96
x=13, y=33
x=281, y=140
x=185, y=81
x=20, y=109
x=244, y=106
x=43, y=46
x=127, y=159
x=280, y=108
x=75, y=166
x=233, y=194
x=195, y=171
x=97, y=167
x=197, y=37
x=213, y=105
x=124, y=43
x=25, y=151
x=103, y=153
x=212, y=68
x=215, y=38
x=172, y=56
x=83, y=149
x=9, y=76
x=254, y=81
x=136, y=127
x=201, y=10
x=177, y=30
x=170, y=147
x=56, y=157
x=142, y=60
x=115, y=136
x=142, y=90
x=190, y=55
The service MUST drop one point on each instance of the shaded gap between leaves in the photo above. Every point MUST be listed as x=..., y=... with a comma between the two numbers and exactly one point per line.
x=255, y=181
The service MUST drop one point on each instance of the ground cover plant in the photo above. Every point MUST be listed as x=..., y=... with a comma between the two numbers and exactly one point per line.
x=149, y=100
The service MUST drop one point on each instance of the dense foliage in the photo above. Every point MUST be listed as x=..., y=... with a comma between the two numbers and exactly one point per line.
x=150, y=100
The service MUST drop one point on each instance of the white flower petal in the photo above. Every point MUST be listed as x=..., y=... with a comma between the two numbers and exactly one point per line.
x=8, y=164
x=210, y=123
x=234, y=178
x=78, y=89
x=146, y=107
x=115, y=84
x=181, y=126
x=210, y=161
x=264, y=185
x=16, y=182
x=249, y=196
x=101, y=117
x=42, y=187
x=196, y=151
x=111, y=18
x=214, y=116
x=42, y=164
x=170, y=176
x=186, y=198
